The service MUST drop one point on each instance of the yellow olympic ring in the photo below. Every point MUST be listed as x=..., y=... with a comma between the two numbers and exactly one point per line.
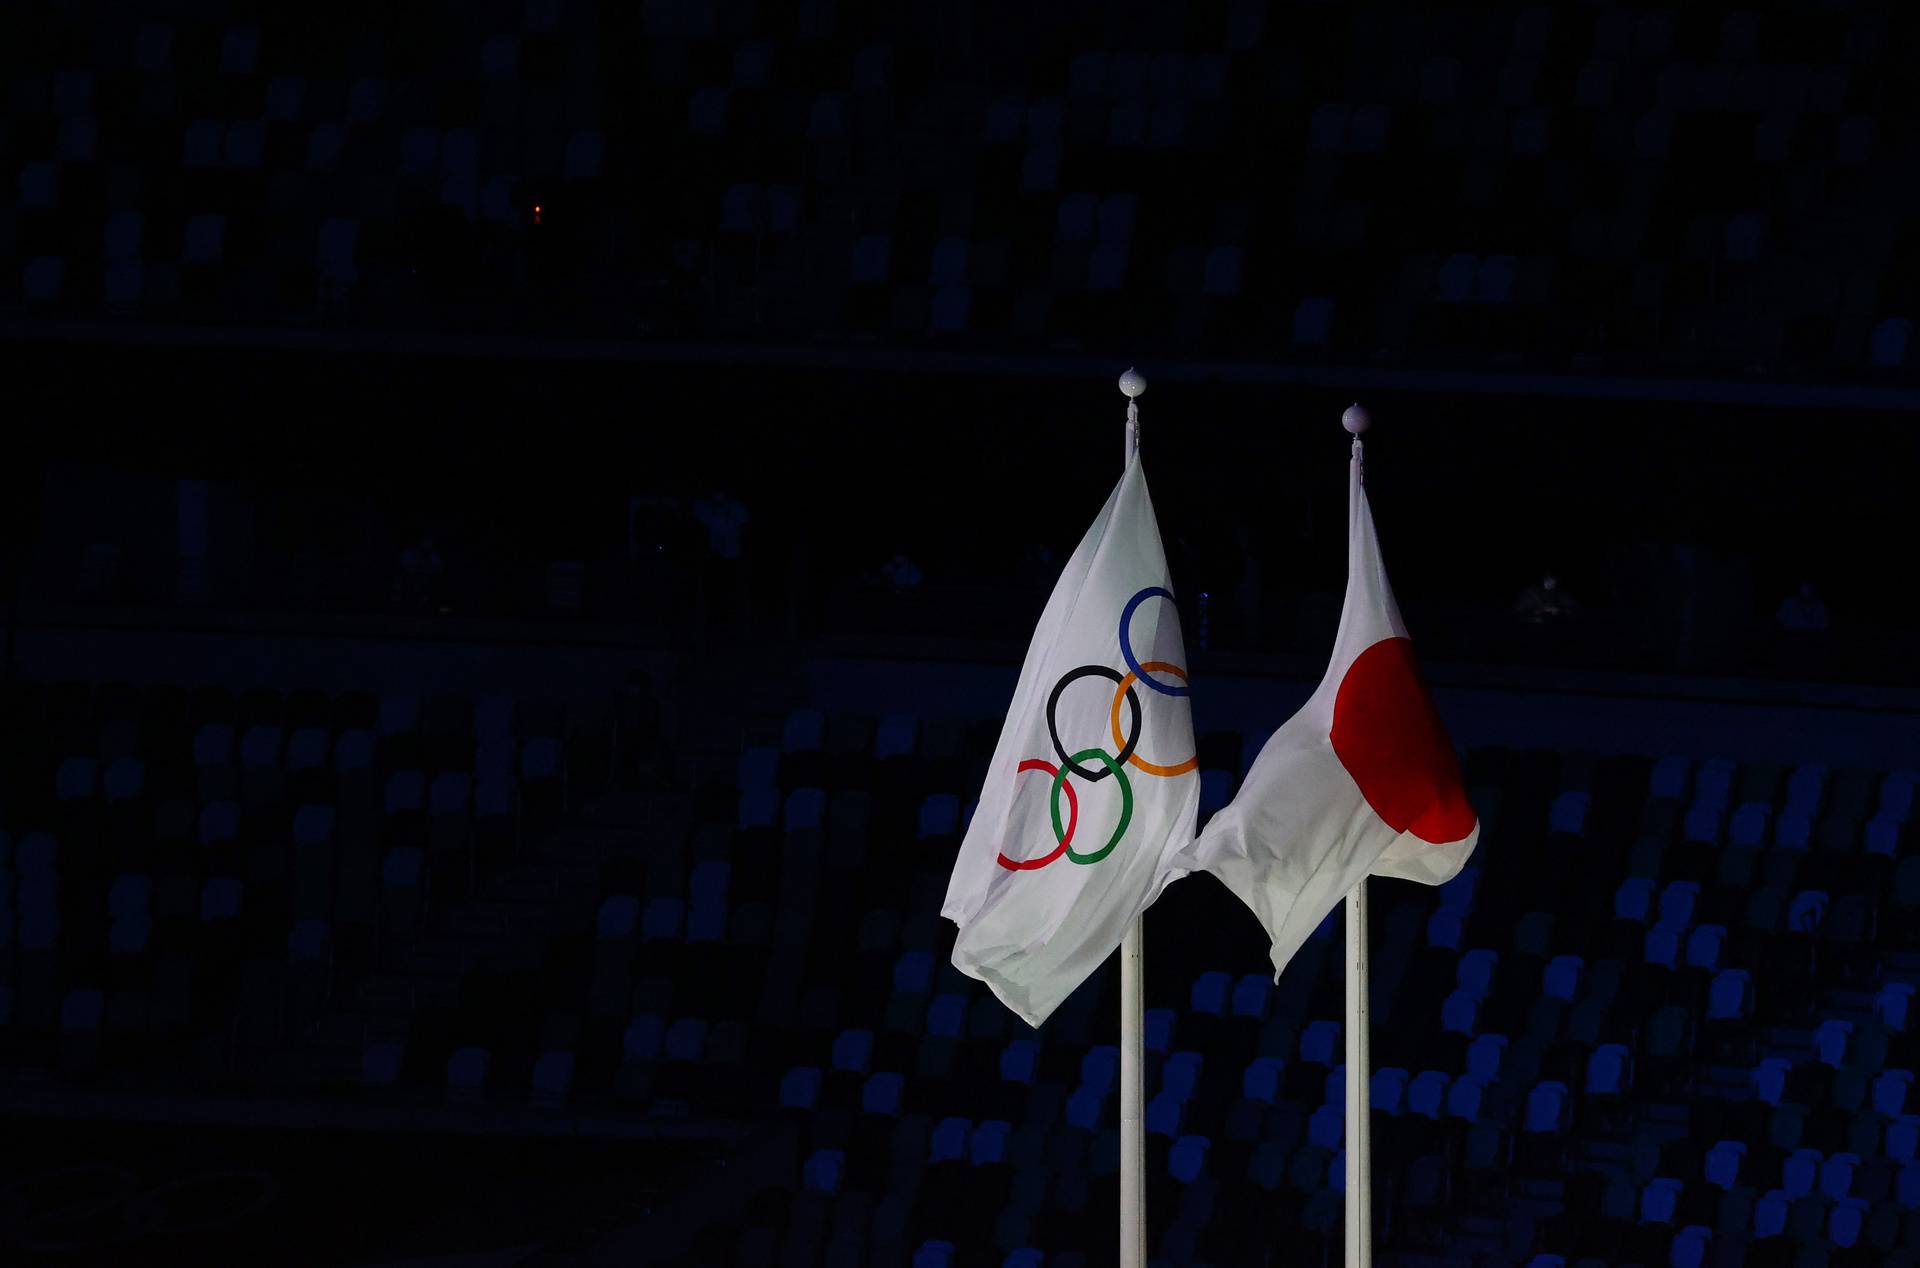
x=1120, y=694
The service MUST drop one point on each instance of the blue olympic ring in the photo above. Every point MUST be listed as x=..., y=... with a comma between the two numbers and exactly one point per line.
x=1126, y=642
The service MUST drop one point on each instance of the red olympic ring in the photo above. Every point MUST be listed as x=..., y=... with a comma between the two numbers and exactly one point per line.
x=1073, y=820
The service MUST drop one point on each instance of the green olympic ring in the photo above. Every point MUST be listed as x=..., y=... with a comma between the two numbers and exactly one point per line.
x=1126, y=803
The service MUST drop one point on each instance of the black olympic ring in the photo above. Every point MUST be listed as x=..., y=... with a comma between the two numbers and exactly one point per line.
x=1053, y=729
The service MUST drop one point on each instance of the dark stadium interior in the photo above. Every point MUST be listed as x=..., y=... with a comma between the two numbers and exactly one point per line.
x=424, y=844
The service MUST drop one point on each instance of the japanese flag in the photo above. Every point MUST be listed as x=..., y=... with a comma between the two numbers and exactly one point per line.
x=1363, y=779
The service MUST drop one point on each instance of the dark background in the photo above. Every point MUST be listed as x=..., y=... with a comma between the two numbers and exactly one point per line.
x=1628, y=290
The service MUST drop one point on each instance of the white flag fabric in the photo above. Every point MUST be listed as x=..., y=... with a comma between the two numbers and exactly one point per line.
x=1094, y=785
x=1363, y=779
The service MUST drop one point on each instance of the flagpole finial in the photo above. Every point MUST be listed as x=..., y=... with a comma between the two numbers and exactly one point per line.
x=1356, y=419
x=1132, y=383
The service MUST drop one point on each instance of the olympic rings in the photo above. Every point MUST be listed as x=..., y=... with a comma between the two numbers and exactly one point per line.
x=1126, y=640
x=1073, y=820
x=1192, y=763
x=1114, y=765
x=1126, y=804
x=1053, y=727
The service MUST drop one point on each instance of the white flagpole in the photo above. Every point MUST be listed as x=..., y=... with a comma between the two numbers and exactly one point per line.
x=1133, y=1136
x=1359, y=1059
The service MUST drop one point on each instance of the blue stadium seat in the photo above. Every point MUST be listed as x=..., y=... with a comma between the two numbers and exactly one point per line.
x=800, y=1087
x=1209, y=994
x=759, y=806
x=552, y=1078
x=1387, y=1090
x=1459, y=1013
x=1083, y=1109
x=1669, y=778
x=467, y=1072
x=947, y=1015
x=823, y=1170
x=1830, y=1041
x=1569, y=813
x=1770, y=1079
x=896, y=736
x=1722, y=1164
x=220, y=898
x=933, y=1254
x=1730, y=997
x=913, y=973
x=1609, y=1070
x=949, y=1140
x=1187, y=1159
x=1464, y=1096
x=1484, y=1057
x=1561, y=978
x=1748, y=827
x=1661, y=946
x=1704, y=946
x=1252, y=995
x=380, y=1063
x=1444, y=929
x=1713, y=782
x=1019, y=1060
x=1690, y=1247
x=1261, y=1080
x=1179, y=1074
x=1846, y=1221
x=1677, y=902
x=1319, y=1042
x=1907, y=1190
x=881, y=1093
x=853, y=1050
x=643, y=1038
x=1327, y=1127
x=1770, y=1214
x=1658, y=1200
x=1702, y=824
x=1799, y=1172
x=1426, y=1094
x=1793, y=829
x=661, y=922
x=806, y=809
x=1099, y=1067
x=1890, y=1090
x=1633, y=900
x=988, y=1143
x=939, y=816
x=1896, y=796
x=124, y=779
x=1474, y=973
x=1807, y=910
x=1157, y=1025
x=687, y=1040
x=618, y=917
x=1836, y=1175
x=1546, y=1107
x=1163, y=1115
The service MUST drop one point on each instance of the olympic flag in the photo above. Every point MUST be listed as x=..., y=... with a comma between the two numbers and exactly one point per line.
x=1093, y=785
x=1363, y=779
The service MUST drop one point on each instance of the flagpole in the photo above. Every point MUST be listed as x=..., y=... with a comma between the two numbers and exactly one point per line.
x=1359, y=1204
x=1133, y=1136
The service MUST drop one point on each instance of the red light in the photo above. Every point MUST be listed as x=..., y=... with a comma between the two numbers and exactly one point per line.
x=536, y=213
